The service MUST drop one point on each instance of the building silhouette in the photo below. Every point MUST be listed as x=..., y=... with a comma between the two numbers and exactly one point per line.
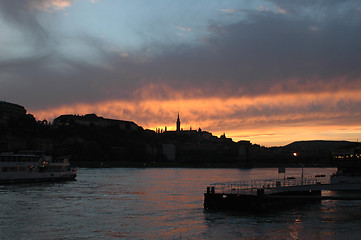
x=94, y=120
x=10, y=111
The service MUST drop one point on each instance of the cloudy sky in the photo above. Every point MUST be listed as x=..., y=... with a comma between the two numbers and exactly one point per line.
x=268, y=71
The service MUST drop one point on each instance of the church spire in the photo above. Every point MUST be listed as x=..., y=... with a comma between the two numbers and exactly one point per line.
x=178, y=123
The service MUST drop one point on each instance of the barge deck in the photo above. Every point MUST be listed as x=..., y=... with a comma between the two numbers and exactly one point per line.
x=262, y=195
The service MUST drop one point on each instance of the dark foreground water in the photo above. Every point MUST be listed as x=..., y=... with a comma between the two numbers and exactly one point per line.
x=126, y=203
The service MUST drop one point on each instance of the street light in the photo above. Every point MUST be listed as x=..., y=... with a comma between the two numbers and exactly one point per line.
x=295, y=154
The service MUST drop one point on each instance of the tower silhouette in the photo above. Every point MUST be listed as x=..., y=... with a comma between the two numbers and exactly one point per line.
x=178, y=123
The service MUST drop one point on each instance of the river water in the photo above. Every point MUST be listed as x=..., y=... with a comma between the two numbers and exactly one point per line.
x=162, y=203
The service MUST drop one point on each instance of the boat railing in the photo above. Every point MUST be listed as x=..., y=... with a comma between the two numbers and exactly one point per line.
x=269, y=186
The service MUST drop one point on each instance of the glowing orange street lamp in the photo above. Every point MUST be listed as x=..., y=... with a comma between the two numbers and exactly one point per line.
x=296, y=155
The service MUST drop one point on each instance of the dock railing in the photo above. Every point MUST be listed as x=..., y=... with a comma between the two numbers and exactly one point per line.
x=269, y=186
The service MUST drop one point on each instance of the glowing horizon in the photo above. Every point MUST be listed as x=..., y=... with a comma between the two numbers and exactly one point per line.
x=268, y=120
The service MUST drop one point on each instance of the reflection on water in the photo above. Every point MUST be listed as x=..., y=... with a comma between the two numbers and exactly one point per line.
x=295, y=228
x=130, y=203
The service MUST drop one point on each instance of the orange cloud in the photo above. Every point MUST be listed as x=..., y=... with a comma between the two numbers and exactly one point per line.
x=50, y=4
x=268, y=119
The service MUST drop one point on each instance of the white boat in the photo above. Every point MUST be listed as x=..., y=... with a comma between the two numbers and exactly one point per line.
x=34, y=167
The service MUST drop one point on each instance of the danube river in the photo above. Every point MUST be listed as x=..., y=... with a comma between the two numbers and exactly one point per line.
x=162, y=203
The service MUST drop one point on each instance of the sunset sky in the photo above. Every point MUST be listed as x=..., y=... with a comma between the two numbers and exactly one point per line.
x=268, y=71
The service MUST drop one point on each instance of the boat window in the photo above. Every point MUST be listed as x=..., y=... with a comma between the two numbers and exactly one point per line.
x=9, y=169
x=21, y=169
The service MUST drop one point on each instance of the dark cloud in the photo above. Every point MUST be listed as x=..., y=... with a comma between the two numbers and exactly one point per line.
x=269, y=48
x=310, y=45
x=18, y=14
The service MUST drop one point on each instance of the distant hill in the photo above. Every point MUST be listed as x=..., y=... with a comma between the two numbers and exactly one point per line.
x=319, y=145
x=318, y=150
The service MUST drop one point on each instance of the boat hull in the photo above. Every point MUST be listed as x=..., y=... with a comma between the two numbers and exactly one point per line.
x=36, y=177
x=259, y=202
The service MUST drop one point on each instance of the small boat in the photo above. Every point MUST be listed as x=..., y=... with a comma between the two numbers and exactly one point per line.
x=34, y=166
